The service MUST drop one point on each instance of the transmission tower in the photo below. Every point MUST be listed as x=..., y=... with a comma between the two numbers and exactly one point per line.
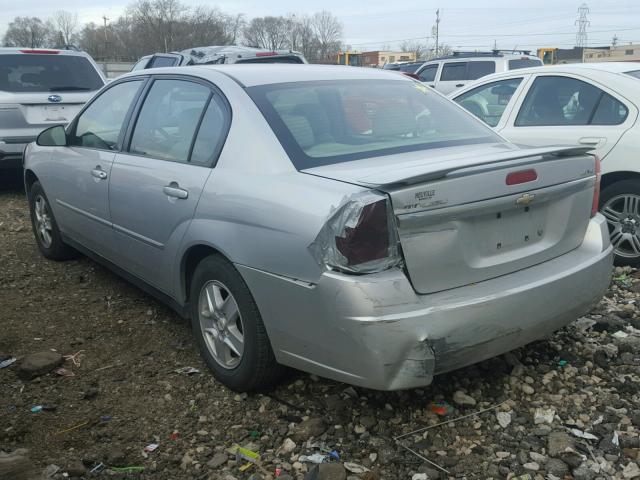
x=582, y=23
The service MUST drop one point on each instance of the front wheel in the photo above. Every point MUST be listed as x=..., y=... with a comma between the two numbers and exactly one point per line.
x=228, y=328
x=620, y=204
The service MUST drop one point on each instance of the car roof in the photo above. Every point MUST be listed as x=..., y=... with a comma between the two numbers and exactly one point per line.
x=484, y=55
x=251, y=75
x=41, y=51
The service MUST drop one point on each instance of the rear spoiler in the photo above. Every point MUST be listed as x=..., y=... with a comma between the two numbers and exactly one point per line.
x=495, y=162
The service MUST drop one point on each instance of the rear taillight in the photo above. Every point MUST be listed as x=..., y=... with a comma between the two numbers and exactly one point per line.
x=41, y=52
x=522, y=176
x=359, y=236
x=266, y=54
x=596, y=188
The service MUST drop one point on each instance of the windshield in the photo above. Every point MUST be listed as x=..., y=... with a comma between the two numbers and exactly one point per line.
x=47, y=73
x=325, y=122
x=634, y=73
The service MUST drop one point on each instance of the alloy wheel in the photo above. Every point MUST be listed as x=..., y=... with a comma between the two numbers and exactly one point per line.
x=43, y=221
x=623, y=218
x=221, y=324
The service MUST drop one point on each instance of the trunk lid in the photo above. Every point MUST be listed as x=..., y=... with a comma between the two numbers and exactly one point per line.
x=25, y=112
x=458, y=220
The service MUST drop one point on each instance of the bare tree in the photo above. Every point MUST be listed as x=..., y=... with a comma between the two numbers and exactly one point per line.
x=66, y=24
x=328, y=30
x=157, y=21
x=268, y=32
x=418, y=48
x=306, y=38
x=29, y=32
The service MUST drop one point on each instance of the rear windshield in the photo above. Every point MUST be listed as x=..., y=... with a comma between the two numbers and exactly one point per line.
x=326, y=122
x=47, y=73
x=524, y=63
x=267, y=59
x=634, y=73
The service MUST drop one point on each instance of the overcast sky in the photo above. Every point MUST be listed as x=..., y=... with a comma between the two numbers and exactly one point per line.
x=471, y=24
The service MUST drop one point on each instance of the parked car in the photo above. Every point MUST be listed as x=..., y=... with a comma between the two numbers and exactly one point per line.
x=348, y=222
x=218, y=55
x=584, y=104
x=405, y=67
x=38, y=88
x=449, y=73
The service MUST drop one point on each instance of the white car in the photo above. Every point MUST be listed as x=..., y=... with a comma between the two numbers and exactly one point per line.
x=449, y=73
x=590, y=104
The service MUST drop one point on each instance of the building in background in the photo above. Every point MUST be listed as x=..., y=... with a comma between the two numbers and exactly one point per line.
x=619, y=53
x=379, y=58
x=553, y=56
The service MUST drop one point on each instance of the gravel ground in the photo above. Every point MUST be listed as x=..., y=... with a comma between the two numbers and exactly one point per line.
x=125, y=393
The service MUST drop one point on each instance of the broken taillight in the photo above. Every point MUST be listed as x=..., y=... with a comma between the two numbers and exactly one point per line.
x=596, y=188
x=359, y=236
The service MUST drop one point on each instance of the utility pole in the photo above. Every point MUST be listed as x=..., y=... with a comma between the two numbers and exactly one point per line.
x=495, y=45
x=435, y=31
x=106, y=41
x=614, y=41
x=582, y=23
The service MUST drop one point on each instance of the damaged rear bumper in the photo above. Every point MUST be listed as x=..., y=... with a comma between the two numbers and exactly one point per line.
x=375, y=331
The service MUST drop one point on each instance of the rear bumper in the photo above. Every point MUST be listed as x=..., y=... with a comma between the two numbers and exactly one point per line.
x=376, y=332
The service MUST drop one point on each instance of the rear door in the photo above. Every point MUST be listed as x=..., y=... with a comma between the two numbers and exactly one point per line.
x=78, y=183
x=155, y=185
x=453, y=75
x=569, y=110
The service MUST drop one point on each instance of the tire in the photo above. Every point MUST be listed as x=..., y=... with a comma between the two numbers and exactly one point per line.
x=624, y=224
x=256, y=368
x=46, y=231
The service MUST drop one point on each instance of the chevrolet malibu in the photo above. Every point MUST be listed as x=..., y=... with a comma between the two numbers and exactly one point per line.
x=348, y=222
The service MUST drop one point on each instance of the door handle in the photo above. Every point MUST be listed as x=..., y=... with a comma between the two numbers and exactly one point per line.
x=592, y=140
x=99, y=173
x=173, y=190
x=460, y=85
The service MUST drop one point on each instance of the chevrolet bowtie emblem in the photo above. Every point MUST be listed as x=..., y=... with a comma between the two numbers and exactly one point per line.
x=525, y=199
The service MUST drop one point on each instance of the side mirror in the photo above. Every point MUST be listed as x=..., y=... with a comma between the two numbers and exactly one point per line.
x=54, y=136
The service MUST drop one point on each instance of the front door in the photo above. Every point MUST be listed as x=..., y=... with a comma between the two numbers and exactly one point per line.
x=155, y=185
x=80, y=191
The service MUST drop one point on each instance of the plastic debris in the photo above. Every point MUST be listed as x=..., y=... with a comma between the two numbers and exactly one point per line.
x=526, y=476
x=245, y=454
x=6, y=362
x=43, y=408
x=151, y=447
x=441, y=408
x=98, y=468
x=355, y=468
x=36, y=409
x=50, y=471
x=173, y=436
x=75, y=357
x=105, y=418
x=313, y=458
x=334, y=455
x=278, y=471
x=187, y=370
x=620, y=334
x=254, y=434
x=562, y=363
x=127, y=469
x=581, y=434
x=63, y=372
x=86, y=422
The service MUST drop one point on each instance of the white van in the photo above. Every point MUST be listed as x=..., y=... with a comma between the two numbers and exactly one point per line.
x=447, y=74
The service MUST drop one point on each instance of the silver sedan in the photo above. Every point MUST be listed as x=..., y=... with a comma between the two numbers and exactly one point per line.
x=346, y=222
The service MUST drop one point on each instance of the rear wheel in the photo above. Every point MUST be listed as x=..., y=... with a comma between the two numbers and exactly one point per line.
x=228, y=328
x=45, y=227
x=620, y=204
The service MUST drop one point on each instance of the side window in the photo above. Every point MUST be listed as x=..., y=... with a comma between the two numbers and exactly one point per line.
x=100, y=124
x=488, y=102
x=609, y=112
x=168, y=120
x=568, y=101
x=480, y=69
x=454, y=71
x=211, y=133
x=428, y=74
x=159, y=61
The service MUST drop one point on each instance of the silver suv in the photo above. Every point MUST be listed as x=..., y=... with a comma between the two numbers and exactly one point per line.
x=447, y=74
x=38, y=88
